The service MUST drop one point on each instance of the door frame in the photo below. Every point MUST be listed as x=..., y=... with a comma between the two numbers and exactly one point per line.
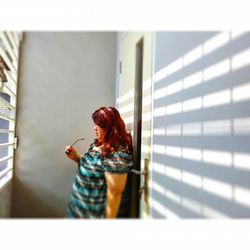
x=146, y=38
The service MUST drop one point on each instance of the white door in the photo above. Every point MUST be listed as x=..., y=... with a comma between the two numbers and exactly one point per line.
x=134, y=101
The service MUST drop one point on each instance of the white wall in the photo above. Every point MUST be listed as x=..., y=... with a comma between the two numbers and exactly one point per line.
x=65, y=77
x=118, y=59
x=201, y=141
x=5, y=198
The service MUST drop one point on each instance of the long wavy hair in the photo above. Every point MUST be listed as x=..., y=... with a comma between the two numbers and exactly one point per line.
x=110, y=119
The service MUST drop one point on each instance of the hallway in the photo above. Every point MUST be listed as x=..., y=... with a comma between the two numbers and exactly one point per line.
x=195, y=121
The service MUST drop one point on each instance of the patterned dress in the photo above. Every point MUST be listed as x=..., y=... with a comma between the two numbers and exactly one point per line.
x=89, y=190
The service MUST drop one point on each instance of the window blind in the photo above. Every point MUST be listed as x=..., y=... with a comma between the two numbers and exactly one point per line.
x=9, y=58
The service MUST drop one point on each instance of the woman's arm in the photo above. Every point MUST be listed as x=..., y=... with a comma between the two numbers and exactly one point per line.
x=73, y=155
x=115, y=186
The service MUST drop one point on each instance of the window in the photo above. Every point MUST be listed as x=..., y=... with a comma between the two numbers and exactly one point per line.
x=9, y=53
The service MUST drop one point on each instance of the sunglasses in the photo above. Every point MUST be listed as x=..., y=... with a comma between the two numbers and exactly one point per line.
x=68, y=151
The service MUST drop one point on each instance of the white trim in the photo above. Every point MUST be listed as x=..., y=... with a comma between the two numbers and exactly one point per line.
x=118, y=75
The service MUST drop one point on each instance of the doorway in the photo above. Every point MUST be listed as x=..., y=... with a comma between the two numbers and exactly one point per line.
x=134, y=88
x=135, y=179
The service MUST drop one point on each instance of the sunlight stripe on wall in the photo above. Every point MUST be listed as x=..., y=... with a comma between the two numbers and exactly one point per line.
x=161, y=74
x=218, y=98
x=160, y=149
x=161, y=111
x=128, y=108
x=160, y=93
x=159, y=131
x=212, y=213
x=241, y=93
x=216, y=42
x=241, y=126
x=172, y=196
x=222, y=158
x=158, y=207
x=218, y=188
x=174, y=88
x=237, y=33
x=193, y=55
x=216, y=70
x=171, y=215
x=159, y=188
x=191, y=128
x=242, y=196
x=159, y=168
x=173, y=151
x=192, y=104
x=174, y=108
x=192, y=179
x=173, y=129
x=192, y=154
x=192, y=80
x=175, y=66
x=125, y=97
x=192, y=205
x=241, y=161
x=173, y=173
x=218, y=127
x=241, y=59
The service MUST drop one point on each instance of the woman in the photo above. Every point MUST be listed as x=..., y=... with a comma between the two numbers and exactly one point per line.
x=100, y=188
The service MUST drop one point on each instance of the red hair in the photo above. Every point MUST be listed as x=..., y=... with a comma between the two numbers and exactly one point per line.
x=110, y=119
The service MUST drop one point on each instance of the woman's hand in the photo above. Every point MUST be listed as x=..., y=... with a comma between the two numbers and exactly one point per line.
x=72, y=155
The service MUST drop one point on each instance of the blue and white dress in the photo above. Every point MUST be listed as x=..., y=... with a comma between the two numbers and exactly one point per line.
x=89, y=190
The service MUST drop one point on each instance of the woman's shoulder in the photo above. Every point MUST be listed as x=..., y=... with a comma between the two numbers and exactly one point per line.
x=119, y=161
x=121, y=152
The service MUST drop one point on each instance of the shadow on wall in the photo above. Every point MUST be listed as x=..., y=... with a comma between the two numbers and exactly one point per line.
x=201, y=127
x=36, y=198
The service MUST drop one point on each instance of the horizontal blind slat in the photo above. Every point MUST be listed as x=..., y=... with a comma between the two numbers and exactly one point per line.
x=13, y=42
x=8, y=47
x=6, y=59
x=5, y=117
x=6, y=170
x=8, y=91
x=10, y=77
x=6, y=158
x=16, y=38
x=6, y=131
x=4, y=145
x=4, y=103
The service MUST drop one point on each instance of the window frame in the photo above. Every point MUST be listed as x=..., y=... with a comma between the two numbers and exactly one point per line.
x=10, y=42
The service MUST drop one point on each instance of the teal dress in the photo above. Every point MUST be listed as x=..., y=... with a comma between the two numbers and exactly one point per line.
x=89, y=189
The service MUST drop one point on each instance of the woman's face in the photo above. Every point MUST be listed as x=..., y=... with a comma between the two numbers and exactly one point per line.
x=100, y=133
